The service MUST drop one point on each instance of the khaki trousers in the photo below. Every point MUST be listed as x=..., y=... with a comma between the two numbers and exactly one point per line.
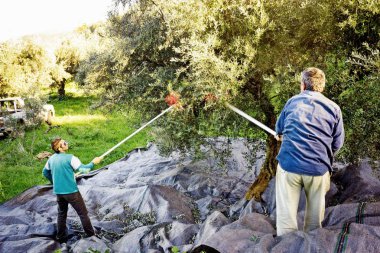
x=288, y=191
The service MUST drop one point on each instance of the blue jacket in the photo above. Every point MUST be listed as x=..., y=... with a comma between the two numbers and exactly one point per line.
x=312, y=130
x=59, y=169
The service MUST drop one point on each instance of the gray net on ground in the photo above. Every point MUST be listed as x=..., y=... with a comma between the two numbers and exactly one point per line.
x=149, y=203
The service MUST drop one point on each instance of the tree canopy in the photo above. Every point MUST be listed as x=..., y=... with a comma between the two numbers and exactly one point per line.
x=24, y=69
x=246, y=52
x=249, y=53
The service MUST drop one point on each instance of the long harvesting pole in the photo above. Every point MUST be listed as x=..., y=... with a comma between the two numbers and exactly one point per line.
x=256, y=122
x=135, y=132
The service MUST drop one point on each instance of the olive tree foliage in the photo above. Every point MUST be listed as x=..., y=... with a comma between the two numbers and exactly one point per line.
x=248, y=53
x=359, y=81
x=24, y=69
x=135, y=64
x=364, y=126
x=353, y=75
x=67, y=63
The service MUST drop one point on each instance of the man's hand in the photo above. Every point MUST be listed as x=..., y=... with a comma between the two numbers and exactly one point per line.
x=278, y=137
x=97, y=160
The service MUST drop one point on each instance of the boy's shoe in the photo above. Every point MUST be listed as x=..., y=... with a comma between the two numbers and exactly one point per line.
x=64, y=248
x=62, y=240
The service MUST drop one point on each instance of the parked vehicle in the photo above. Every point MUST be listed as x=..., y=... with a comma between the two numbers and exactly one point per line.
x=13, y=109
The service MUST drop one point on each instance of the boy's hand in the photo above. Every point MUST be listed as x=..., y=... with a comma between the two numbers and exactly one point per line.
x=84, y=170
x=97, y=160
x=278, y=137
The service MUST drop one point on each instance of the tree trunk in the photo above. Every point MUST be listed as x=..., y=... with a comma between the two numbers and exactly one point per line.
x=61, y=89
x=268, y=170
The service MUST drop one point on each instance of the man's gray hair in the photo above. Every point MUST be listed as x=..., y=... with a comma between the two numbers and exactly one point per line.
x=314, y=79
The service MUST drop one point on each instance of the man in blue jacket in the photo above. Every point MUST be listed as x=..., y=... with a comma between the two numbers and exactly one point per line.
x=59, y=169
x=310, y=127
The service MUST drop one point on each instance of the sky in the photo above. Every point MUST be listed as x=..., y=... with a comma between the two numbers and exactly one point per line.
x=27, y=17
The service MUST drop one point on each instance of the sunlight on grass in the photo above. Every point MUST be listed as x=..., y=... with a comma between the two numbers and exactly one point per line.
x=89, y=132
x=79, y=119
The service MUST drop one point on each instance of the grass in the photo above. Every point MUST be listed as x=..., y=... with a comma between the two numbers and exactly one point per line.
x=89, y=132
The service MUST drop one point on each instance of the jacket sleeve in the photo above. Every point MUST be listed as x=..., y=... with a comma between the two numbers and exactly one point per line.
x=83, y=168
x=280, y=121
x=280, y=124
x=338, y=134
x=47, y=173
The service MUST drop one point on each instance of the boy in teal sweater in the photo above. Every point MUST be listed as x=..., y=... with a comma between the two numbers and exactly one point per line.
x=59, y=169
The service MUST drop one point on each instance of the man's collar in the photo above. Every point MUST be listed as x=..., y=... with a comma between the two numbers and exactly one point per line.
x=311, y=92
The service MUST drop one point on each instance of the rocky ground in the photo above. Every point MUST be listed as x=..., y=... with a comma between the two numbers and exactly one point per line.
x=149, y=203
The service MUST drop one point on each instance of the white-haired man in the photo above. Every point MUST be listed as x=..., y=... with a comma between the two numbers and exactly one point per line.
x=310, y=127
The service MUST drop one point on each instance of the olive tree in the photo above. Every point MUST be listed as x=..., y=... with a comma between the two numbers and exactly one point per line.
x=24, y=69
x=67, y=63
x=248, y=53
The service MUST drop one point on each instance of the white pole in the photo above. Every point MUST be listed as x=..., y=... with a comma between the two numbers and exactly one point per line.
x=258, y=123
x=135, y=132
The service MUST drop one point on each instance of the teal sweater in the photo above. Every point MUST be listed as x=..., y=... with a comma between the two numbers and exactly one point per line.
x=60, y=168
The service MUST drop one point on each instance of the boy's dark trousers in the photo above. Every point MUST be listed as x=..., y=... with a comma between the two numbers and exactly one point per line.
x=76, y=201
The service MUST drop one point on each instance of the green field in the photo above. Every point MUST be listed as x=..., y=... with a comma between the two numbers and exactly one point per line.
x=89, y=132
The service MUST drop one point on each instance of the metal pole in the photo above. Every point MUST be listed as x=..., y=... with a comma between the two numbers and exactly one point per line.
x=135, y=132
x=256, y=122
